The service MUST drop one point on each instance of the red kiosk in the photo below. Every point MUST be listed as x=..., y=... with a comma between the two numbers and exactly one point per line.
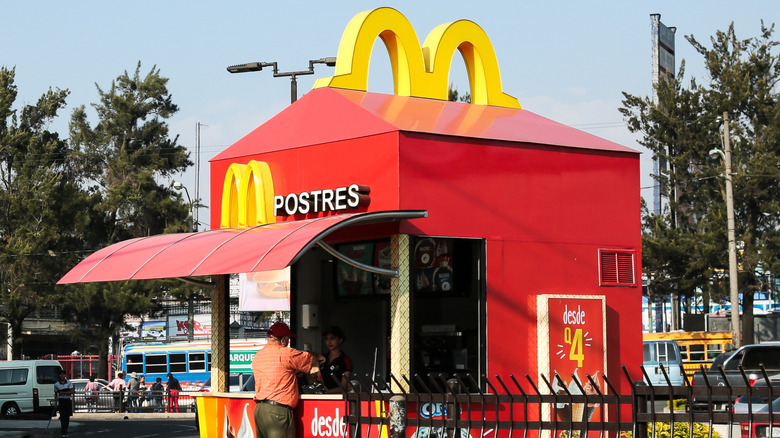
x=515, y=239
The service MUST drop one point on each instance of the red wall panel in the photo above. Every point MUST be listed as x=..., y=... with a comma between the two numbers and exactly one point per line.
x=371, y=161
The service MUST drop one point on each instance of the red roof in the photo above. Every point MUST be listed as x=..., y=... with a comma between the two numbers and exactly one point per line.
x=330, y=114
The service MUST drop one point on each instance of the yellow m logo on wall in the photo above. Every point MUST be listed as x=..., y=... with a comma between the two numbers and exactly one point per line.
x=419, y=72
x=247, y=195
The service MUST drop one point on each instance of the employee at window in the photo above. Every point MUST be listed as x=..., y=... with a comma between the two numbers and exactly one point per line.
x=337, y=368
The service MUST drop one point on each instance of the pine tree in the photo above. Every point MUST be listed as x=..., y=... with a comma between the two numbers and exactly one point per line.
x=686, y=245
x=44, y=210
x=130, y=160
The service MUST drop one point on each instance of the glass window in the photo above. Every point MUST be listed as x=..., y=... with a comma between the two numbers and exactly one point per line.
x=197, y=361
x=157, y=363
x=48, y=373
x=666, y=352
x=696, y=352
x=733, y=362
x=178, y=362
x=13, y=376
x=713, y=350
x=135, y=363
x=684, y=352
x=766, y=356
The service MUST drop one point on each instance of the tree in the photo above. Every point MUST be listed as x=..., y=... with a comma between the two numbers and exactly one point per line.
x=130, y=159
x=682, y=128
x=454, y=96
x=43, y=208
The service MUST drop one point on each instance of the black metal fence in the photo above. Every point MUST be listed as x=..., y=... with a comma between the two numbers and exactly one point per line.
x=439, y=406
x=124, y=401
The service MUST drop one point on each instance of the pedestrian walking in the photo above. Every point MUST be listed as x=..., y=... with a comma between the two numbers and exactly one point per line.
x=63, y=391
x=173, y=393
x=118, y=386
x=132, y=392
x=157, y=391
x=92, y=391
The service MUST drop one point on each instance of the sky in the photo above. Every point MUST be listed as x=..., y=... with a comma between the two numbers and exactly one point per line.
x=569, y=61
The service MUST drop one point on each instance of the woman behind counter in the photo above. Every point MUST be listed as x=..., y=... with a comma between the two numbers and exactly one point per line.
x=337, y=368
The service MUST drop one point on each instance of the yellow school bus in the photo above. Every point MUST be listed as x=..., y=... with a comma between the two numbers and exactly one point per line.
x=696, y=348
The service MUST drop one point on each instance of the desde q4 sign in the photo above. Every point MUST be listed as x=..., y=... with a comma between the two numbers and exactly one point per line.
x=419, y=71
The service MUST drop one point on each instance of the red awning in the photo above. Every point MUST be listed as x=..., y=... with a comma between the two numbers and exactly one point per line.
x=214, y=252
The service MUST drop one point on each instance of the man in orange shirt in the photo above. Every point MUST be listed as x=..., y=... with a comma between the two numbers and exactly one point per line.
x=276, y=388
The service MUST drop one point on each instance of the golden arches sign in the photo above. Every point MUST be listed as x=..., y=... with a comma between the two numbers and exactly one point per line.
x=247, y=195
x=419, y=71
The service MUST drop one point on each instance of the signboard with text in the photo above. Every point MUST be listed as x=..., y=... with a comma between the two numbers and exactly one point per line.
x=572, y=345
x=177, y=326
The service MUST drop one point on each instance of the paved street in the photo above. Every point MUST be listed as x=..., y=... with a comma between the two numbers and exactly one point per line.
x=108, y=425
x=138, y=427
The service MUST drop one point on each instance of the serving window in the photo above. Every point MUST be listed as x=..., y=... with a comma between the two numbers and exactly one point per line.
x=448, y=293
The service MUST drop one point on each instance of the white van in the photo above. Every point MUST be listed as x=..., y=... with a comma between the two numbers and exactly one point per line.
x=666, y=353
x=27, y=385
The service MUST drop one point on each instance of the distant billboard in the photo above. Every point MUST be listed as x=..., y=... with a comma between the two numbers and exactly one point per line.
x=663, y=47
x=177, y=326
x=153, y=330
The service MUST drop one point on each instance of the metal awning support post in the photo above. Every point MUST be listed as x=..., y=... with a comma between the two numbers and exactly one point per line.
x=220, y=334
x=400, y=308
x=392, y=272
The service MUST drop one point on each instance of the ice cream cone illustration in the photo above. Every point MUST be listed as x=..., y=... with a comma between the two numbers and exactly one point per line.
x=246, y=426
x=227, y=430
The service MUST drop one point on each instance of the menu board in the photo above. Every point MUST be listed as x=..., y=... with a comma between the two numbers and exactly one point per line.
x=382, y=259
x=352, y=281
x=432, y=266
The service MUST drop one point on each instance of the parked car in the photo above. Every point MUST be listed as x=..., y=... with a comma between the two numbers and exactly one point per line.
x=236, y=383
x=746, y=404
x=105, y=399
x=750, y=358
x=249, y=384
x=761, y=429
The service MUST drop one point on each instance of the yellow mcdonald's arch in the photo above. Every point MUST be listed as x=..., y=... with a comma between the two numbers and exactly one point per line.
x=420, y=72
x=247, y=195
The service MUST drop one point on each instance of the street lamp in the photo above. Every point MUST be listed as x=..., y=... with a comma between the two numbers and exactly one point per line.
x=179, y=186
x=733, y=285
x=258, y=66
x=190, y=299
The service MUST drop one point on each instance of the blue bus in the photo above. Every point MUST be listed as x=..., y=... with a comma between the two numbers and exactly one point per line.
x=189, y=362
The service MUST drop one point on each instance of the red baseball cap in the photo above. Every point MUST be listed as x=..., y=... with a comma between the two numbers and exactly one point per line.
x=280, y=330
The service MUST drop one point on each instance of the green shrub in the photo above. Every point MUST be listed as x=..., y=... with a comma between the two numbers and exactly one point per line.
x=679, y=404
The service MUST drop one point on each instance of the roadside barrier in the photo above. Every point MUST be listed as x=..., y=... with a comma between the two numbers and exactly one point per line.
x=440, y=406
x=143, y=401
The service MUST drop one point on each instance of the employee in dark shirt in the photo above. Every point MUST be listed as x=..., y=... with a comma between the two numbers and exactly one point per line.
x=337, y=368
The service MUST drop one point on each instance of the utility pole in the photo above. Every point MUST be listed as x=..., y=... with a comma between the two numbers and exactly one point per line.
x=733, y=283
x=195, y=220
